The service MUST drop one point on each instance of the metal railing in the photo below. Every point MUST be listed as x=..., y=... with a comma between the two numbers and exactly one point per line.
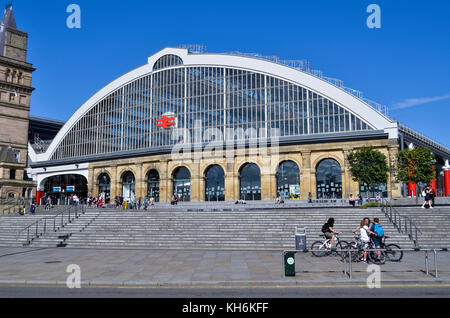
x=402, y=223
x=348, y=258
x=424, y=139
x=304, y=65
x=53, y=223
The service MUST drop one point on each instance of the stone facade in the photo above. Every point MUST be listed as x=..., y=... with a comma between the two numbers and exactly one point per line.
x=15, y=93
x=307, y=157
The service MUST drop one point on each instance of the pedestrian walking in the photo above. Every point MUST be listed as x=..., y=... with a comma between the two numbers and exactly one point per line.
x=427, y=199
x=433, y=196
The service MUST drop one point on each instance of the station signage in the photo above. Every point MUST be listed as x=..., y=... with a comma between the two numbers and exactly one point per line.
x=57, y=189
x=166, y=121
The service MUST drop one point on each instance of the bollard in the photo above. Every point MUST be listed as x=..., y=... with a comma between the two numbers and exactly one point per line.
x=350, y=263
x=300, y=238
x=345, y=265
x=435, y=265
x=289, y=264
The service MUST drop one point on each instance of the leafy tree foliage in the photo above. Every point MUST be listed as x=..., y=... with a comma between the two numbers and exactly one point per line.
x=416, y=165
x=368, y=166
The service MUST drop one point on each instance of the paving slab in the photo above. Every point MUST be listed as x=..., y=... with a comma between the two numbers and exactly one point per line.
x=222, y=268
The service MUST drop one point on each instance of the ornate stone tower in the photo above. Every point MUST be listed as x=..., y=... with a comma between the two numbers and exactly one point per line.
x=15, y=92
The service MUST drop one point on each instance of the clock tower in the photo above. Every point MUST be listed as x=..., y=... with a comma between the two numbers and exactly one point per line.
x=15, y=93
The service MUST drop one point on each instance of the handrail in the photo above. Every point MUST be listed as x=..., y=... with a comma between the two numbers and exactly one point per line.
x=40, y=229
x=404, y=224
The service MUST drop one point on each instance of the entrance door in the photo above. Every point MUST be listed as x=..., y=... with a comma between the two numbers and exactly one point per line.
x=128, y=188
x=182, y=184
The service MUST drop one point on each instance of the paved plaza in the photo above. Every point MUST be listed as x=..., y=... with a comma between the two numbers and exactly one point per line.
x=127, y=267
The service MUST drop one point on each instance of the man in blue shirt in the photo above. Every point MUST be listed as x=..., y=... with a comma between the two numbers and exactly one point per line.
x=377, y=229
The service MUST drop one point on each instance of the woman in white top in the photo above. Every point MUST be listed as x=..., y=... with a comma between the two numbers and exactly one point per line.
x=364, y=231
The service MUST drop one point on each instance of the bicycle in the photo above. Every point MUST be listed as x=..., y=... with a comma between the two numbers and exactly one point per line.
x=391, y=252
x=323, y=248
x=356, y=248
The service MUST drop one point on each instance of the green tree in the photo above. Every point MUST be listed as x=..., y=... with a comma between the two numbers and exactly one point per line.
x=368, y=166
x=416, y=166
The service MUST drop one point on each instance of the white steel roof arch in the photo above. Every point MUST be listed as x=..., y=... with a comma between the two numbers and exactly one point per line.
x=339, y=96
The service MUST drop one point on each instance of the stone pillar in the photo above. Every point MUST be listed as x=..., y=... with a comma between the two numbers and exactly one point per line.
x=114, y=183
x=266, y=187
x=165, y=187
x=230, y=177
x=347, y=187
x=196, y=181
x=140, y=183
x=307, y=177
x=92, y=184
x=394, y=185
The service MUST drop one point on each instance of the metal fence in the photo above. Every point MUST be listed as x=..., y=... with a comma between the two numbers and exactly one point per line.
x=347, y=260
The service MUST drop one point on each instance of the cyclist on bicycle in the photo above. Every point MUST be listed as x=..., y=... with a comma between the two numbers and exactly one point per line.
x=329, y=232
x=377, y=238
x=364, y=232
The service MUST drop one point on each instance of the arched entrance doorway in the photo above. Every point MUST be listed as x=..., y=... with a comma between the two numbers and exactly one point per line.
x=329, y=179
x=128, y=187
x=250, y=182
x=182, y=184
x=153, y=185
x=288, y=181
x=60, y=188
x=104, y=187
x=215, y=184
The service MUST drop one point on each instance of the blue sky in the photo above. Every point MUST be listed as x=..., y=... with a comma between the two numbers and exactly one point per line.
x=405, y=64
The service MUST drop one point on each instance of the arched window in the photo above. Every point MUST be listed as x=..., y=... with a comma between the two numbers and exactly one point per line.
x=215, y=184
x=250, y=182
x=182, y=184
x=104, y=187
x=167, y=61
x=153, y=185
x=288, y=181
x=128, y=187
x=329, y=179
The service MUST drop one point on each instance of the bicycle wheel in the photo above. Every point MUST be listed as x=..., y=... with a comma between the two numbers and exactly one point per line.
x=354, y=251
x=319, y=249
x=373, y=257
x=341, y=245
x=393, y=254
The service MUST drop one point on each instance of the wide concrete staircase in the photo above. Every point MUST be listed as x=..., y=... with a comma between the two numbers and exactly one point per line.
x=434, y=225
x=264, y=229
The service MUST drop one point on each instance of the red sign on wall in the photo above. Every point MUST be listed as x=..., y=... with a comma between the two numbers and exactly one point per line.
x=165, y=122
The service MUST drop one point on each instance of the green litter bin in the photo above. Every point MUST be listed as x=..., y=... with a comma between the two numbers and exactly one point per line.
x=289, y=264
